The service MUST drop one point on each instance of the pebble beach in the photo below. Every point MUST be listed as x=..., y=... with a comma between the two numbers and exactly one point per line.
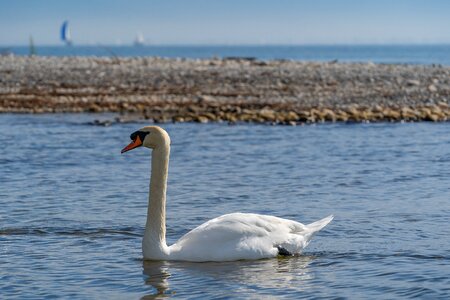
x=225, y=90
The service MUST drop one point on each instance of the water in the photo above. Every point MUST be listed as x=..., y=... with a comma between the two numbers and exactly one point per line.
x=72, y=209
x=412, y=54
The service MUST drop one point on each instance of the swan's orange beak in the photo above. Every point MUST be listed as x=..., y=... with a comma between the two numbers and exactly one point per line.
x=134, y=144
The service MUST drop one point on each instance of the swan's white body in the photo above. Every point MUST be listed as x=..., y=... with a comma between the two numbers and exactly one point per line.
x=240, y=236
x=229, y=237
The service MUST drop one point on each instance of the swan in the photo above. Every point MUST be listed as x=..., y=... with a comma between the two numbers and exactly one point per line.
x=234, y=236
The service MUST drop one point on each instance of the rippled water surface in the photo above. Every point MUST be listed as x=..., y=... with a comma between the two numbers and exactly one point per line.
x=72, y=209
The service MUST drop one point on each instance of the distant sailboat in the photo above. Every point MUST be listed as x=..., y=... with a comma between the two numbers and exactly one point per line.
x=139, y=41
x=65, y=33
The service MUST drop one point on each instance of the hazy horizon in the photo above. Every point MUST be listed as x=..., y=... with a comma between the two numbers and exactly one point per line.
x=235, y=45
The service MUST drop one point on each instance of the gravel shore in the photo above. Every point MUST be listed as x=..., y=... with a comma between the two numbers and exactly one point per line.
x=233, y=90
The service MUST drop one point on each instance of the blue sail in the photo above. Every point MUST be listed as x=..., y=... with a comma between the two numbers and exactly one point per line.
x=65, y=33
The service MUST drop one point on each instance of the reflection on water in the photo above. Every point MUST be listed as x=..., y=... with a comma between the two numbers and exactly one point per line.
x=157, y=275
x=279, y=273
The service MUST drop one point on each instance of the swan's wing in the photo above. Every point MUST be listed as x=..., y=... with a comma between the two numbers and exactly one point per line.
x=241, y=236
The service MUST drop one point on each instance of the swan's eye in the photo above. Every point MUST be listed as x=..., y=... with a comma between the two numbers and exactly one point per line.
x=140, y=134
x=143, y=134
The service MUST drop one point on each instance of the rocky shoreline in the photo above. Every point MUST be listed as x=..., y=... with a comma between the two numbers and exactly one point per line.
x=230, y=89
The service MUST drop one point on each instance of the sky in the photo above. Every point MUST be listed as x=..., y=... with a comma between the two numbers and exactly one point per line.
x=227, y=22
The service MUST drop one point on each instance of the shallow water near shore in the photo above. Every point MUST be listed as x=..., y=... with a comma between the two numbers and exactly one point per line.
x=405, y=54
x=73, y=209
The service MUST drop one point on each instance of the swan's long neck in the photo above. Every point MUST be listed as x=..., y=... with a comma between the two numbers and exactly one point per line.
x=155, y=229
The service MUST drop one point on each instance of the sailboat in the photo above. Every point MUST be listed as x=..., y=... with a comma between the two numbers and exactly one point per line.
x=139, y=41
x=65, y=33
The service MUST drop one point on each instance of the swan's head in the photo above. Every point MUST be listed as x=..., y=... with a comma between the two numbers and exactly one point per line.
x=150, y=136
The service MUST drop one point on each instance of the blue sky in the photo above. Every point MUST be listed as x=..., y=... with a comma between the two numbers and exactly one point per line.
x=227, y=21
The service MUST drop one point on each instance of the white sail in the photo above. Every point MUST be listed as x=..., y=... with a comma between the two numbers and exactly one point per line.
x=139, y=41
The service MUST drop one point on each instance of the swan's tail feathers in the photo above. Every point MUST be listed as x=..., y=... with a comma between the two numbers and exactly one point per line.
x=318, y=225
x=314, y=227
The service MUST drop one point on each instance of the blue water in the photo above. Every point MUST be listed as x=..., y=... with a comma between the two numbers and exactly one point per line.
x=72, y=209
x=412, y=54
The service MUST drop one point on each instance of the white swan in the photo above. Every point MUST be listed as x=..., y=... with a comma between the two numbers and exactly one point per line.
x=229, y=237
